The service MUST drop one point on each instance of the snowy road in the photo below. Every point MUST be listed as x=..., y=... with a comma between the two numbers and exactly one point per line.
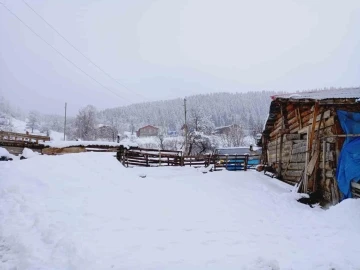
x=86, y=211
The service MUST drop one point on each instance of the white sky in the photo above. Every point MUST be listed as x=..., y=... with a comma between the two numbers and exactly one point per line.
x=165, y=49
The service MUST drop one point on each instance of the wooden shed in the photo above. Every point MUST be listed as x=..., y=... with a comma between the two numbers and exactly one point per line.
x=303, y=138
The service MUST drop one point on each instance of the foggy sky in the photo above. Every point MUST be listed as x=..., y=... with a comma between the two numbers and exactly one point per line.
x=165, y=49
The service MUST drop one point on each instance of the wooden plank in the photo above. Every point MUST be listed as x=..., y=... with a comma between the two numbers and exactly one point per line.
x=299, y=144
x=355, y=185
x=312, y=163
x=295, y=166
x=313, y=125
x=305, y=112
x=293, y=126
x=275, y=132
x=295, y=173
x=291, y=114
x=326, y=115
x=291, y=137
x=325, y=165
x=305, y=180
x=299, y=150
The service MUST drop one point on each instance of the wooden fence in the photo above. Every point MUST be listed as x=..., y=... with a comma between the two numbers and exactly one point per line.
x=20, y=137
x=153, y=157
x=355, y=189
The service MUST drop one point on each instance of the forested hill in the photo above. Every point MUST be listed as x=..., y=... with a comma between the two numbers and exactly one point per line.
x=218, y=109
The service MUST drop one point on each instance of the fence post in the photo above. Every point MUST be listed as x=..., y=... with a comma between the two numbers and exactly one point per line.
x=123, y=157
x=214, y=157
x=236, y=161
x=246, y=162
x=147, y=160
x=159, y=158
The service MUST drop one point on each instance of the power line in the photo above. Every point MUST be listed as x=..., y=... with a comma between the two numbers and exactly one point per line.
x=87, y=58
x=62, y=55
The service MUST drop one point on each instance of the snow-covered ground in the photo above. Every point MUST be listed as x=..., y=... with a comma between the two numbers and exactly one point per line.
x=86, y=211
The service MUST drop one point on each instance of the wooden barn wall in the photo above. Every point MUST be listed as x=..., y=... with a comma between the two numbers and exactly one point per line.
x=303, y=137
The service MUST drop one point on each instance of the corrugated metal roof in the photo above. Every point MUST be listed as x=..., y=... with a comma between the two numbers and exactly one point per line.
x=322, y=94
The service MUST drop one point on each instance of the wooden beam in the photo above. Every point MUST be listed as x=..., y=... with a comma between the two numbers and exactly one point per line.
x=305, y=180
x=312, y=163
x=312, y=133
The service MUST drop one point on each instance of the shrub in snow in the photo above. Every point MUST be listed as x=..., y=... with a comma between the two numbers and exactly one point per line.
x=28, y=153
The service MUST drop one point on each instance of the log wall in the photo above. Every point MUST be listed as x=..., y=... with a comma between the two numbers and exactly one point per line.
x=303, y=147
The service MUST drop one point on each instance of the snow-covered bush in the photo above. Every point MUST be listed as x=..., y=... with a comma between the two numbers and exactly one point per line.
x=4, y=152
x=28, y=153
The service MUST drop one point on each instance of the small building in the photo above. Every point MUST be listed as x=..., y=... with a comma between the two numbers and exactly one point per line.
x=309, y=140
x=147, y=131
x=106, y=132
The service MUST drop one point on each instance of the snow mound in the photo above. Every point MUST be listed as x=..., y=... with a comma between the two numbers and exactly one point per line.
x=4, y=152
x=28, y=153
x=345, y=214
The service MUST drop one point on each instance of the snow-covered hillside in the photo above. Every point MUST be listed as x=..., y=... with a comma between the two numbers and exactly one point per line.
x=20, y=126
x=86, y=211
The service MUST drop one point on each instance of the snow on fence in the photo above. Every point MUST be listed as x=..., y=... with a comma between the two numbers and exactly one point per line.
x=154, y=157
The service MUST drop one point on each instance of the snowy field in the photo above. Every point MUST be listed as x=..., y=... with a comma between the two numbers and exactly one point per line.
x=86, y=211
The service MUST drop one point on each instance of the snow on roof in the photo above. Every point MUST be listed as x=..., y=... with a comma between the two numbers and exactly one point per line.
x=148, y=126
x=63, y=144
x=322, y=94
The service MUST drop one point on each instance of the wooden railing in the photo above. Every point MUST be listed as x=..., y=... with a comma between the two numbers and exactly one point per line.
x=20, y=137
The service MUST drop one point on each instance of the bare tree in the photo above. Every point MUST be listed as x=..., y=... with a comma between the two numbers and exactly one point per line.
x=45, y=128
x=33, y=121
x=5, y=123
x=85, y=123
x=234, y=137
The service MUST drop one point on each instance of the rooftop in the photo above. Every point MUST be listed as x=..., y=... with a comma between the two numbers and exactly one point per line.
x=321, y=94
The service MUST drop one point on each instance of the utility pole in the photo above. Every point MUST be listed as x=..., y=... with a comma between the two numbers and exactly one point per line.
x=65, y=122
x=186, y=127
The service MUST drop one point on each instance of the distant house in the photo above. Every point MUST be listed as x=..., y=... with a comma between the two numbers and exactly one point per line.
x=147, y=131
x=225, y=129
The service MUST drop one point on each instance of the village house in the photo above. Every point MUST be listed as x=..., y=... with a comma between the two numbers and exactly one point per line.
x=106, y=132
x=310, y=138
x=147, y=131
